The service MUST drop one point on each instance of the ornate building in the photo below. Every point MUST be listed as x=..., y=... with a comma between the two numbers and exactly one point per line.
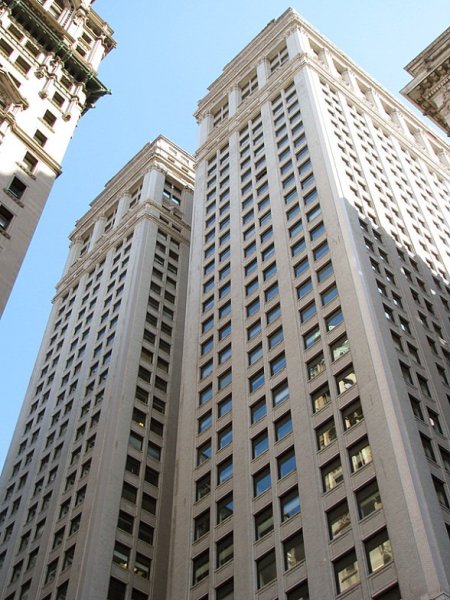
x=50, y=51
x=429, y=91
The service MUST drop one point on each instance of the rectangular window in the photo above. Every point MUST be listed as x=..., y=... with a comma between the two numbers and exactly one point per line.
x=293, y=551
x=266, y=569
x=378, y=551
x=346, y=572
x=338, y=520
x=261, y=481
x=224, y=508
x=289, y=505
x=332, y=475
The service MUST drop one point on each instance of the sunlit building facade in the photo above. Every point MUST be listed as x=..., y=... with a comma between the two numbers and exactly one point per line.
x=88, y=479
x=265, y=415
x=313, y=456
x=50, y=51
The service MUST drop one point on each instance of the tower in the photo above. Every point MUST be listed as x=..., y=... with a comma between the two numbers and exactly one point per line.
x=313, y=460
x=50, y=51
x=90, y=472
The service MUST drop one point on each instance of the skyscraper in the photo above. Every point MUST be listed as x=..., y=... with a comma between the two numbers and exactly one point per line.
x=313, y=457
x=90, y=473
x=50, y=51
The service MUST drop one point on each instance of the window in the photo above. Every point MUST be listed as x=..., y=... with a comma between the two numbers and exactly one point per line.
x=308, y=312
x=30, y=162
x=332, y=475
x=255, y=354
x=263, y=522
x=277, y=364
x=346, y=572
x=320, y=398
x=271, y=292
x=5, y=218
x=17, y=188
x=326, y=434
x=280, y=394
x=260, y=444
x=225, y=591
x=200, y=568
x=300, y=592
x=338, y=520
x=360, y=455
x=325, y=272
x=224, y=379
x=293, y=551
x=345, y=380
x=224, y=508
x=329, y=294
x=266, y=569
x=316, y=366
x=254, y=330
x=286, y=463
x=205, y=395
x=203, y=487
x=283, y=427
x=224, y=550
x=258, y=411
x=201, y=525
x=340, y=347
x=121, y=555
x=224, y=407
x=117, y=589
x=440, y=492
x=205, y=422
x=334, y=320
x=204, y=452
x=256, y=380
x=304, y=289
x=261, y=481
x=289, y=504
x=311, y=337
x=378, y=551
x=224, y=331
x=224, y=437
x=368, y=499
x=224, y=471
x=273, y=314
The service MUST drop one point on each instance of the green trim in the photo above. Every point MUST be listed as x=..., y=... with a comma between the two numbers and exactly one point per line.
x=50, y=39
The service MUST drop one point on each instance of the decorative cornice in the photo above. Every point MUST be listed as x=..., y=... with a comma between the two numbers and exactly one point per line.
x=50, y=35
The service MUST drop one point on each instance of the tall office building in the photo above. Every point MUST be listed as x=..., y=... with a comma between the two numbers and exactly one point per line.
x=88, y=480
x=50, y=51
x=313, y=458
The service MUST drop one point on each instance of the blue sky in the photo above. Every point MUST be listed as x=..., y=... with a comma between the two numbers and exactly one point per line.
x=167, y=55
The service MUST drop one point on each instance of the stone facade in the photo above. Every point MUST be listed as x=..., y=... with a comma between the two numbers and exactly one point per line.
x=93, y=457
x=50, y=51
x=429, y=91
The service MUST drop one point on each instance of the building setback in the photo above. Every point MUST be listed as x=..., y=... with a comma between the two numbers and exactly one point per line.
x=313, y=460
x=88, y=480
x=309, y=457
x=50, y=51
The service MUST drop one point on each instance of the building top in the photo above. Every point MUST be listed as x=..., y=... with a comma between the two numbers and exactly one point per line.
x=429, y=91
x=263, y=49
x=161, y=154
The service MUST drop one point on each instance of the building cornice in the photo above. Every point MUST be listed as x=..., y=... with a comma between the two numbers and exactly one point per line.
x=50, y=35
